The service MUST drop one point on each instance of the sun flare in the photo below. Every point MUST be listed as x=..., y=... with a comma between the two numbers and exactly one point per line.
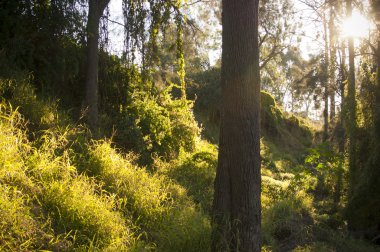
x=356, y=26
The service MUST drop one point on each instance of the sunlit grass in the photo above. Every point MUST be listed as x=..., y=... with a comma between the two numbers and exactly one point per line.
x=77, y=208
x=161, y=208
x=62, y=191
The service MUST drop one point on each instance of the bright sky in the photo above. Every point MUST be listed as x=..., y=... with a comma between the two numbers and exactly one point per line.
x=308, y=45
x=310, y=42
x=356, y=26
x=116, y=34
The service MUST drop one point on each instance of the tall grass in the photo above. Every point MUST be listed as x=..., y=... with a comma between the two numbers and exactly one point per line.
x=77, y=208
x=61, y=191
x=163, y=211
x=45, y=203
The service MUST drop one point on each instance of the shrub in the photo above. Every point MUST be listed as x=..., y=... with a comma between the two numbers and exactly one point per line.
x=163, y=124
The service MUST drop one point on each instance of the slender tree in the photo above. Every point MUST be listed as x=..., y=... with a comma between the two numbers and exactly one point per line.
x=351, y=113
x=327, y=76
x=96, y=8
x=332, y=64
x=376, y=10
x=236, y=207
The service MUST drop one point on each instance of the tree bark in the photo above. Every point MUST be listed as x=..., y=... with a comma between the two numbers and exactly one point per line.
x=237, y=207
x=96, y=8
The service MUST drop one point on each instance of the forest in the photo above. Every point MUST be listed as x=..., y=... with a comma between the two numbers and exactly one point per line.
x=190, y=125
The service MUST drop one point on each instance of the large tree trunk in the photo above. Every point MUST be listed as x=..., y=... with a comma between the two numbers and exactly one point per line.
x=237, y=207
x=96, y=8
x=351, y=116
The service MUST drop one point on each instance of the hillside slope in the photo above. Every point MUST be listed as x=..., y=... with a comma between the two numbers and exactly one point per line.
x=64, y=191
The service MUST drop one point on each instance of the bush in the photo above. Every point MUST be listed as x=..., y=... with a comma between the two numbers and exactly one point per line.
x=155, y=124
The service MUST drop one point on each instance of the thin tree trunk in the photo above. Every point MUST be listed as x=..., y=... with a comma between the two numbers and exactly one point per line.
x=237, y=207
x=341, y=130
x=351, y=115
x=332, y=38
x=96, y=8
x=343, y=74
x=376, y=10
x=377, y=88
x=326, y=82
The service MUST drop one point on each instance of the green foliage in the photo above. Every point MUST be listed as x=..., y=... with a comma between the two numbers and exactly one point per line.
x=204, y=88
x=363, y=208
x=271, y=115
x=18, y=229
x=119, y=210
x=45, y=204
x=40, y=114
x=322, y=161
x=194, y=171
x=287, y=136
x=43, y=38
x=114, y=80
x=86, y=217
x=338, y=241
x=62, y=191
x=366, y=104
x=160, y=208
x=273, y=189
x=159, y=124
x=287, y=222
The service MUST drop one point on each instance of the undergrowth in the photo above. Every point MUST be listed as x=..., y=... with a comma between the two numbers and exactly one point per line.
x=60, y=190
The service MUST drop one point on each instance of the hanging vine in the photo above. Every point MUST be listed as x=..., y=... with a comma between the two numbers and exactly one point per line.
x=145, y=21
x=180, y=56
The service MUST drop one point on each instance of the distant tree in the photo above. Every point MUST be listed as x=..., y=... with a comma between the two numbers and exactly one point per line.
x=326, y=74
x=333, y=8
x=237, y=207
x=304, y=79
x=277, y=34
